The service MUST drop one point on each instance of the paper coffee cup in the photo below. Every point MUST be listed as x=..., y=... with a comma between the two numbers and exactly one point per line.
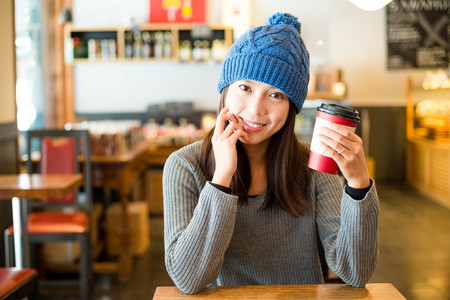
x=329, y=113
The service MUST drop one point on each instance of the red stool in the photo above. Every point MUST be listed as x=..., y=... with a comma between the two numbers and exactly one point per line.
x=18, y=283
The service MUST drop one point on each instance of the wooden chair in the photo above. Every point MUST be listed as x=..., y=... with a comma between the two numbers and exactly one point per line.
x=18, y=283
x=60, y=153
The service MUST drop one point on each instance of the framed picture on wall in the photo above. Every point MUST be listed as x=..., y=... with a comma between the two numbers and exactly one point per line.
x=177, y=11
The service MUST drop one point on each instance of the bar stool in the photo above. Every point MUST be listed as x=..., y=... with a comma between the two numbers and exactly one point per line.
x=18, y=283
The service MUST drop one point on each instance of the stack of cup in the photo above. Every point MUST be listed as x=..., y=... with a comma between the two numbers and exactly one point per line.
x=329, y=113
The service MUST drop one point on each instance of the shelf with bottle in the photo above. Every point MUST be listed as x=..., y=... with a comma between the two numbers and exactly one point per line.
x=151, y=42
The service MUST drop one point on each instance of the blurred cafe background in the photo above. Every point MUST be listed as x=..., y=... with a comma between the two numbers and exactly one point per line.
x=141, y=76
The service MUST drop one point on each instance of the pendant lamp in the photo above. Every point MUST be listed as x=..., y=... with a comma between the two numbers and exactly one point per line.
x=370, y=5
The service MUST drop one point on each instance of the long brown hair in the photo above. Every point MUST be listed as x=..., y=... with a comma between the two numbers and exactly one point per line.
x=288, y=176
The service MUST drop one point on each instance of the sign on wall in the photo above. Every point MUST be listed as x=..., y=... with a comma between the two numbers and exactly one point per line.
x=418, y=34
x=177, y=11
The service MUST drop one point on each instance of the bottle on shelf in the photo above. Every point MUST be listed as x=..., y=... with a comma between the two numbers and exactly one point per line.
x=185, y=50
x=146, y=44
x=197, y=51
x=167, y=49
x=205, y=51
x=112, y=48
x=92, y=49
x=105, y=49
x=137, y=44
x=159, y=44
x=128, y=45
x=218, y=50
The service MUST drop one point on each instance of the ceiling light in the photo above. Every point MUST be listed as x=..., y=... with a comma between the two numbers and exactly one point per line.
x=370, y=5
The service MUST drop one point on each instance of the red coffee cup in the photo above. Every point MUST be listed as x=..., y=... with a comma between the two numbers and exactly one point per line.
x=329, y=113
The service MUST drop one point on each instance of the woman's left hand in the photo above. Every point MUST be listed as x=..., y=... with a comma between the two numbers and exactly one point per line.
x=346, y=148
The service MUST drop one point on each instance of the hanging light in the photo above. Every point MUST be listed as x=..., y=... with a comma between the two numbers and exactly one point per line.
x=370, y=5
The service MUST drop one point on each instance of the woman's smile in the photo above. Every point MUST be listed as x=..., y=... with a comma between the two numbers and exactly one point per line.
x=250, y=126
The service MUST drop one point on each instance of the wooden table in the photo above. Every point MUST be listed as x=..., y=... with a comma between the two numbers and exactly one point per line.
x=20, y=188
x=120, y=172
x=316, y=291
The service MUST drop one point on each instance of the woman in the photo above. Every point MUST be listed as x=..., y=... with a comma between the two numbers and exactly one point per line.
x=242, y=207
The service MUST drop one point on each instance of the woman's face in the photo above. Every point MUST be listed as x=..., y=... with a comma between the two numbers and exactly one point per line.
x=261, y=109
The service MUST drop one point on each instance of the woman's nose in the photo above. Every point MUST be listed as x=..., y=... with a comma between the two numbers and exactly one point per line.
x=256, y=106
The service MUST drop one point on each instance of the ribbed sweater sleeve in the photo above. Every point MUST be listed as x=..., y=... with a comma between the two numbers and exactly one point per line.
x=348, y=230
x=198, y=228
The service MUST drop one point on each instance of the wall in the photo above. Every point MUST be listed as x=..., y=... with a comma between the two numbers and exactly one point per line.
x=358, y=46
x=336, y=33
x=8, y=128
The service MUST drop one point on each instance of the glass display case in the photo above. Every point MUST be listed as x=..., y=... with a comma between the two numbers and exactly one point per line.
x=428, y=142
x=431, y=116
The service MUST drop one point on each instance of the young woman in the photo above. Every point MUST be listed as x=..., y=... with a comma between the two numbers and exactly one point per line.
x=241, y=207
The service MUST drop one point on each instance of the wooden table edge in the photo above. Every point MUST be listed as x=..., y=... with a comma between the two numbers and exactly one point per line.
x=216, y=292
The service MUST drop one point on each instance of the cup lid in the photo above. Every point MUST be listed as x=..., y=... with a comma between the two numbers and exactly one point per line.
x=340, y=111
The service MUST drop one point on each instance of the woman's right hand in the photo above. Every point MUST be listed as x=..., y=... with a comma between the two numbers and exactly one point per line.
x=224, y=145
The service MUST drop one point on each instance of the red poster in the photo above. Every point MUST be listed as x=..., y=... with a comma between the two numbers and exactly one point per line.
x=177, y=11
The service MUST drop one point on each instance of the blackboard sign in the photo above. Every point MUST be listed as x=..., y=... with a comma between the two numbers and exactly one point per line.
x=418, y=34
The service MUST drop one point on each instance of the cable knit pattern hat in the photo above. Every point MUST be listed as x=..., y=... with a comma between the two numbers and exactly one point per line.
x=273, y=54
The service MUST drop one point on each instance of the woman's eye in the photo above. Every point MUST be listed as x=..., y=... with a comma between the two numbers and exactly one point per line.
x=277, y=95
x=245, y=88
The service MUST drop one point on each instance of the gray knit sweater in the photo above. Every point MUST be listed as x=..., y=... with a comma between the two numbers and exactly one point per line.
x=210, y=239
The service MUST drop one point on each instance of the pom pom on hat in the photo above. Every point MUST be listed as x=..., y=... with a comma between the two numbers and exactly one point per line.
x=274, y=54
x=288, y=19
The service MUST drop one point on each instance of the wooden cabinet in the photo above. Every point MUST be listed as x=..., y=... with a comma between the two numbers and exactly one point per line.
x=156, y=157
x=428, y=169
x=428, y=143
x=147, y=43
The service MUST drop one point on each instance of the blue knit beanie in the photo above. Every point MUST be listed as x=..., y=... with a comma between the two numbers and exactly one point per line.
x=273, y=54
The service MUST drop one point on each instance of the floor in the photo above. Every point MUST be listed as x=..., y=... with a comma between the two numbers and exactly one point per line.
x=414, y=253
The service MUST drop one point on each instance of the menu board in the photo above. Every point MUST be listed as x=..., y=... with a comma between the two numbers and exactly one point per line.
x=418, y=34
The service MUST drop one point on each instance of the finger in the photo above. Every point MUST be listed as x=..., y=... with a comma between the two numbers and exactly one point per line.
x=221, y=119
x=237, y=134
x=336, y=129
x=334, y=145
x=231, y=128
x=220, y=122
x=333, y=153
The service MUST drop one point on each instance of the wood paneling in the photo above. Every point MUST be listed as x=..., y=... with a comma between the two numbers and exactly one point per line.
x=428, y=169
